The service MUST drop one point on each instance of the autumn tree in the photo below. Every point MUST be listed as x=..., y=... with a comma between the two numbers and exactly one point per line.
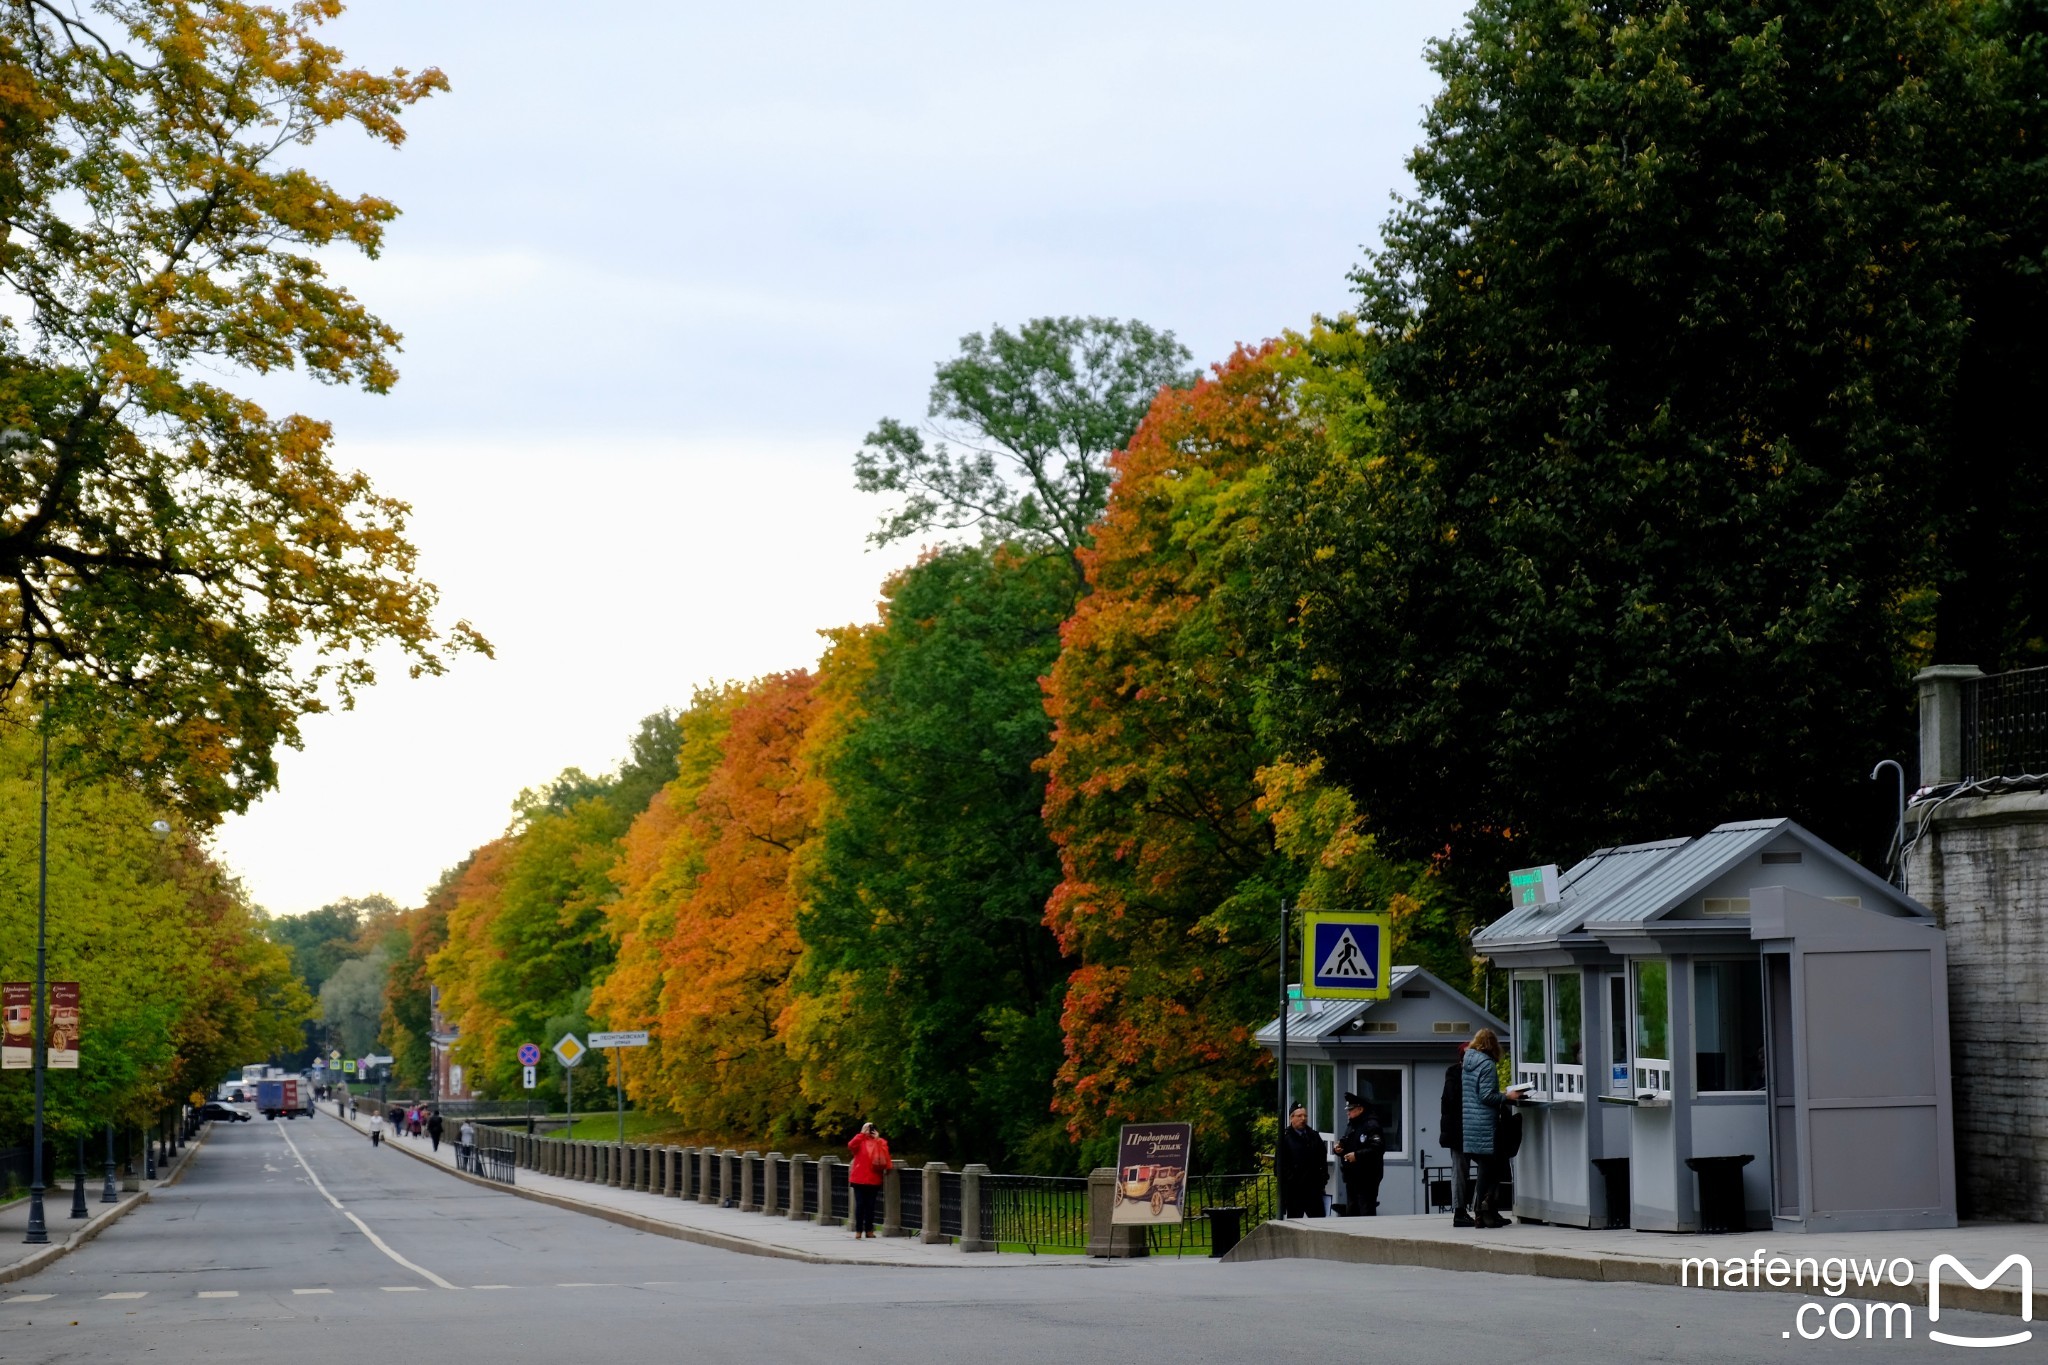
x=1018, y=431
x=928, y=995
x=182, y=575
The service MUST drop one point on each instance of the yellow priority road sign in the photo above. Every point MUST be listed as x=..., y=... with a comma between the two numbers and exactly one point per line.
x=569, y=1051
x=1346, y=955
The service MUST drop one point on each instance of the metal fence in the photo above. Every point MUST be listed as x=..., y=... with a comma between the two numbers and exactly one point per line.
x=715, y=1186
x=949, y=1204
x=910, y=1206
x=1034, y=1213
x=780, y=1167
x=1256, y=1194
x=2005, y=724
x=842, y=1192
x=490, y=1156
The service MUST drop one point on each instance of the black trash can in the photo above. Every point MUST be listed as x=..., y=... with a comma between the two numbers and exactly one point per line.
x=1721, y=1192
x=1225, y=1227
x=1614, y=1172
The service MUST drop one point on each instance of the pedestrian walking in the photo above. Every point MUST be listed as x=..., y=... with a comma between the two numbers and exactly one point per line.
x=871, y=1165
x=376, y=1129
x=435, y=1127
x=1302, y=1164
x=1485, y=1103
x=465, y=1145
x=1450, y=1130
x=1361, y=1158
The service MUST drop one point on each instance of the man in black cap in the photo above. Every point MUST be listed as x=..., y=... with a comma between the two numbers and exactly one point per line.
x=1362, y=1157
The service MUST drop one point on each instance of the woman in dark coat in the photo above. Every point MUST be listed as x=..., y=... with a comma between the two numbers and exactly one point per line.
x=1303, y=1166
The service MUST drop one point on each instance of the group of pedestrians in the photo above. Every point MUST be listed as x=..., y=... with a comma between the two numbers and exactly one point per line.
x=1477, y=1124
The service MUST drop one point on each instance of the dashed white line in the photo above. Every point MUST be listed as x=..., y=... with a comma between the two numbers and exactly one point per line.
x=312, y=1291
x=490, y=1286
x=364, y=1228
x=220, y=1293
x=126, y=1294
x=31, y=1298
x=586, y=1284
x=406, y=1289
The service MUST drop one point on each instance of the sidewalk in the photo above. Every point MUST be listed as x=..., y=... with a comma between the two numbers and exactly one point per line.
x=751, y=1234
x=1625, y=1255
x=67, y=1234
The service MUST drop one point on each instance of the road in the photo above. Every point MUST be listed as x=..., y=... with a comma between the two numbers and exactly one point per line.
x=296, y=1242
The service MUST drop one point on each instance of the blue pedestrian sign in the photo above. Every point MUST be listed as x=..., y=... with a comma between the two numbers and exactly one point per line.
x=1346, y=955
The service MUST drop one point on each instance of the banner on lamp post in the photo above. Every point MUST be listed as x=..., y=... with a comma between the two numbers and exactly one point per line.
x=64, y=1027
x=17, y=1026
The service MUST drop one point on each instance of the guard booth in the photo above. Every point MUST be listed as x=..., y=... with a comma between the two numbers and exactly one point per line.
x=1392, y=1053
x=1742, y=1030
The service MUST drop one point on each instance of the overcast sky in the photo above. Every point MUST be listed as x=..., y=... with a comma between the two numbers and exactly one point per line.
x=662, y=266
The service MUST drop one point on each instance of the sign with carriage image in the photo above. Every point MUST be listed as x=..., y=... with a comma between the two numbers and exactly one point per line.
x=1152, y=1172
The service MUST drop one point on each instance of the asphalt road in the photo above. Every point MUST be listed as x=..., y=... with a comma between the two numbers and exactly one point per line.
x=296, y=1242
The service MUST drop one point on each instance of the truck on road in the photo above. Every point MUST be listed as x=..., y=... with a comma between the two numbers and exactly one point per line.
x=278, y=1097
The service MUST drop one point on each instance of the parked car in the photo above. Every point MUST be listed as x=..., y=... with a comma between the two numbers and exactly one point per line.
x=224, y=1113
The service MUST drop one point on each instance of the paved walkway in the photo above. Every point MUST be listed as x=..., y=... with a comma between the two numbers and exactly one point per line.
x=750, y=1233
x=18, y=1258
x=1659, y=1258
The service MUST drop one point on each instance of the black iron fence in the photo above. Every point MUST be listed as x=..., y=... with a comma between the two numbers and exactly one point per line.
x=489, y=1155
x=949, y=1204
x=2005, y=724
x=1255, y=1194
x=842, y=1191
x=1034, y=1213
x=910, y=1188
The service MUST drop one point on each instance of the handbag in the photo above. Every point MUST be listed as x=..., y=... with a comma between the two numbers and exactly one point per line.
x=1507, y=1132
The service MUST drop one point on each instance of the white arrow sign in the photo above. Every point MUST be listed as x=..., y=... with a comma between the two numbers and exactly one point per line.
x=636, y=1038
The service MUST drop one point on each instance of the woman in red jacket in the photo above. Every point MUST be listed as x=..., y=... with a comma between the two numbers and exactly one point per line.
x=870, y=1165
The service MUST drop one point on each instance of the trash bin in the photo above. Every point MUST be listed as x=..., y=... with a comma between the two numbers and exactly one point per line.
x=1225, y=1222
x=1721, y=1207
x=1614, y=1171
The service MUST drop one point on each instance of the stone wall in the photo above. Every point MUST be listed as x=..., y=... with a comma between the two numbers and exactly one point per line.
x=1981, y=864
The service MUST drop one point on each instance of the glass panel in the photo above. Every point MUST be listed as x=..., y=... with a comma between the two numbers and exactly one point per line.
x=1529, y=1021
x=1323, y=1113
x=1566, y=1044
x=1617, y=1035
x=1728, y=1025
x=1297, y=1085
x=1653, y=1009
x=1380, y=1088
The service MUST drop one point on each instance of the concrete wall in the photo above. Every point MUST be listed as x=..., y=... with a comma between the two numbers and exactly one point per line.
x=1981, y=864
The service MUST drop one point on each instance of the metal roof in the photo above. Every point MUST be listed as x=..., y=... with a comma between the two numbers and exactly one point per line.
x=1581, y=890
x=1685, y=871
x=1327, y=1019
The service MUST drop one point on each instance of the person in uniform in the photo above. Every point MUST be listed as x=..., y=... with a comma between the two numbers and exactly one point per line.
x=1361, y=1158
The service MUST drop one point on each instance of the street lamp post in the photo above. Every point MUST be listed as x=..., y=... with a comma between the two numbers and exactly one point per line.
x=38, y=1229
x=108, y=1194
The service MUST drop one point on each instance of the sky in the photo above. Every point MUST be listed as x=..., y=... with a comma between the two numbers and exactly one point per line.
x=662, y=266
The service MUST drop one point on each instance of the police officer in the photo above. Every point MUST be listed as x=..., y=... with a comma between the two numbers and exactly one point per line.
x=1362, y=1158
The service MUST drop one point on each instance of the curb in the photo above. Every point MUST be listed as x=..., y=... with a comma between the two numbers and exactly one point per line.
x=37, y=1261
x=1278, y=1242
x=718, y=1240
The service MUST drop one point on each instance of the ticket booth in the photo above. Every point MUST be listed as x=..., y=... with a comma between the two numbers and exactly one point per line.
x=1697, y=1018
x=1393, y=1053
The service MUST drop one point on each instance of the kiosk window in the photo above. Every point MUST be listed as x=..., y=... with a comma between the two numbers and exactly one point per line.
x=1653, y=1009
x=1617, y=1035
x=1567, y=1047
x=1381, y=1089
x=1529, y=1031
x=1316, y=1087
x=1728, y=1025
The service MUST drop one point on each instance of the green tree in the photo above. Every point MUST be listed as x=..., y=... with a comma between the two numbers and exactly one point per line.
x=183, y=575
x=1671, y=335
x=352, y=1004
x=929, y=988
x=1019, y=431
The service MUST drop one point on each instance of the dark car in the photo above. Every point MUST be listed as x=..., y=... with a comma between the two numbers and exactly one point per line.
x=224, y=1113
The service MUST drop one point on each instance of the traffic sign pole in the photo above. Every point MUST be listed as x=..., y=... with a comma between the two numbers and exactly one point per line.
x=619, y=1088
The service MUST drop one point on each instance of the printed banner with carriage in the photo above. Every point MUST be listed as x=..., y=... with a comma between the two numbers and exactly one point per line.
x=1152, y=1172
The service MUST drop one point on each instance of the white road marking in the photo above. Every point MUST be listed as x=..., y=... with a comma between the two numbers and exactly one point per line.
x=31, y=1298
x=490, y=1286
x=312, y=1291
x=220, y=1293
x=406, y=1289
x=126, y=1294
x=363, y=1227
x=586, y=1284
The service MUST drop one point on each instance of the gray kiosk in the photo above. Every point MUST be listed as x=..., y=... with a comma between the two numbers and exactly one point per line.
x=1392, y=1053
x=1746, y=1029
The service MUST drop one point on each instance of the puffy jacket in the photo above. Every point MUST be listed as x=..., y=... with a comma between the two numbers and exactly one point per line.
x=870, y=1159
x=1482, y=1102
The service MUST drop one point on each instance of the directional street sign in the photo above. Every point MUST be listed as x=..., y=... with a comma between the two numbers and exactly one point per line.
x=529, y=1054
x=569, y=1051
x=1345, y=955
x=635, y=1038
x=528, y=1071
x=376, y=1061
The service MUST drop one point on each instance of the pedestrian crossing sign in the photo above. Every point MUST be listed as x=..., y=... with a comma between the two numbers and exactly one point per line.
x=1346, y=955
